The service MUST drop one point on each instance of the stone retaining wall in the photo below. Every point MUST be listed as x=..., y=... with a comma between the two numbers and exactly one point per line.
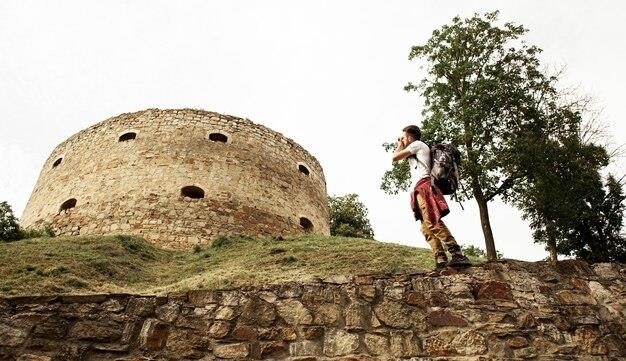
x=500, y=311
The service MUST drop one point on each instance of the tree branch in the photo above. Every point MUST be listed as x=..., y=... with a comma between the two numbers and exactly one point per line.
x=507, y=184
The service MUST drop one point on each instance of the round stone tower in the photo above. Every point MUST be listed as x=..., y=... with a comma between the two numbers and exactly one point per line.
x=179, y=178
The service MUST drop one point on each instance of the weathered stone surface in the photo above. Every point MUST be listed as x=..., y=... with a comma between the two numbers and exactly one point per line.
x=153, y=335
x=517, y=342
x=326, y=314
x=294, y=312
x=526, y=320
x=404, y=344
x=101, y=331
x=441, y=318
x=168, y=312
x=113, y=305
x=51, y=328
x=31, y=357
x=305, y=348
x=435, y=346
x=258, y=312
x=231, y=298
x=551, y=332
x=367, y=293
x=376, y=344
x=11, y=336
x=140, y=306
x=340, y=343
x=219, y=329
x=587, y=338
x=393, y=314
x=271, y=349
x=201, y=298
x=187, y=343
x=225, y=313
x=575, y=298
x=494, y=290
x=244, y=332
x=269, y=297
x=470, y=343
x=357, y=316
x=416, y=299
x=230, y=351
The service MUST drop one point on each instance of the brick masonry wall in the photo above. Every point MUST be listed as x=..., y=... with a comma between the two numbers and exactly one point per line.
x=252, y=183
x=499, y=311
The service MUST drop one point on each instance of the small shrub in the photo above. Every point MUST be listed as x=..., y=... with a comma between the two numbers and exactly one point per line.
x=137, y=246
x=197, y=248
x=9, y=228
x=45, y=232
x=220, y=241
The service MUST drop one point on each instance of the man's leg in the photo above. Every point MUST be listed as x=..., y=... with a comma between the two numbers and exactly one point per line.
x=440, y=234
x=433, y=241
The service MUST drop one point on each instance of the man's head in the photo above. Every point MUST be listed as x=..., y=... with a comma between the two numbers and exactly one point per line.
x=412, y=133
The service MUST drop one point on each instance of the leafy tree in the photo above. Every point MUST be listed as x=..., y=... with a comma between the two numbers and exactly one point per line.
x=483, y=93
x=561, y=178
x=9, y=228
x=348, y=217
x=594, y=233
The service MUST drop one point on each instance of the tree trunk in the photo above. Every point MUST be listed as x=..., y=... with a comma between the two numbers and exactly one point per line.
x=486, y=225
x=552, y=250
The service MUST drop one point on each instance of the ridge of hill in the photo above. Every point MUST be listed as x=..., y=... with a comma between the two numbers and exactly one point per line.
x=128, y=264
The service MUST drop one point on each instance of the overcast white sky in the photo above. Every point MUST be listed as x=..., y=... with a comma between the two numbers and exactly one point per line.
x=328, y=74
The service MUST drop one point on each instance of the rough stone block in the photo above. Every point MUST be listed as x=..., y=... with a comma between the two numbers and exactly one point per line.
x=340, y=343
x=101, y=331
x=305, y=348
x=575, y=298
x=219, y=329
x=376, y=344
x=258, y=312
x=494, y=290
x=294, y=312
x=11, y=336
x=232, y=351
x=153, y=335
x=440, y=318
x=244, y=333
x=393, y=314
x=358, y=316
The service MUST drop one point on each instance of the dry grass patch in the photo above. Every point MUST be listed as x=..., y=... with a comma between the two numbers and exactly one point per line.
x=102, y=264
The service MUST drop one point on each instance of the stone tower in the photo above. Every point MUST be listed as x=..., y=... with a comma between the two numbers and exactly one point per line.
x=179, y=178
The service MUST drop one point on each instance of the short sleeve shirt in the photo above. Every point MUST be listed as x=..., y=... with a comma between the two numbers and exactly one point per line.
x=419, y=167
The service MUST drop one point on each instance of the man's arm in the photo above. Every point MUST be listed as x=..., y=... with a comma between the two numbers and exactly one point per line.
x=400, y=152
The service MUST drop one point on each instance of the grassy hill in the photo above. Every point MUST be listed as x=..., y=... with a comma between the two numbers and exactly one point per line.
x=103, y=264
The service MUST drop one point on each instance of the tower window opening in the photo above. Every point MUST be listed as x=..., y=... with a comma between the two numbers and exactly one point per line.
x=306, y=224
x=218, y=137
x=303, y=169
x=57, y=162
x=192, y=192
x=127, y=136
x=68, y=204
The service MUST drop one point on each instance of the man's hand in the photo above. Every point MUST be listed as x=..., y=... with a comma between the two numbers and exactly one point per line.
x=400, y=153
x=401, y=144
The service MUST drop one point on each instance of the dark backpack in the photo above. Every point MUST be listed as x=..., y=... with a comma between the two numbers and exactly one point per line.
x=445, y=161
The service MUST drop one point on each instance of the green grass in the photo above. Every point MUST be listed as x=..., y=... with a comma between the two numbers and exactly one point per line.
x=108, y=264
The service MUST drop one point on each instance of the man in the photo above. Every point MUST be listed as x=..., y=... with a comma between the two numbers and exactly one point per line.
x=427, y=202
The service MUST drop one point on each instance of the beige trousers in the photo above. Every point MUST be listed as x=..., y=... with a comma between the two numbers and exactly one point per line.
x=437, y=235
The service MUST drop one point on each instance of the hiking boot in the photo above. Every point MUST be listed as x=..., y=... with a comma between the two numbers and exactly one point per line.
x=459, y=260
x=441, y=260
